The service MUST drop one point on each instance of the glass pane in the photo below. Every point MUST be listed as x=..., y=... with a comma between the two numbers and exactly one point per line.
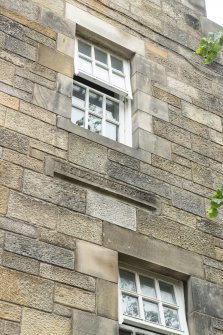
x=167, y=292
x=84, y=48
x=101, y=73
x=79, y=94
x=77, y=117
x=85, y=65
x=117, y=64
x=111, y=131
x=118, y=80
x=151, y=312
x=130, y=305
x=112, y=110
x=95, y=102
x=171, y=318
x=127, y=280
x=148, y=287
x=94, y=124
x=101, y=56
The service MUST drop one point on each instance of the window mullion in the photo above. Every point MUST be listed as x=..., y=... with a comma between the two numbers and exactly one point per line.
x=93, y=61
x=160, y=305
x=141, y=311
x=86, y=108
x=103, y=125
x=109, y=68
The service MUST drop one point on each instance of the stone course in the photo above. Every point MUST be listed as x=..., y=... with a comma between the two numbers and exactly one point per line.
x=75, y=204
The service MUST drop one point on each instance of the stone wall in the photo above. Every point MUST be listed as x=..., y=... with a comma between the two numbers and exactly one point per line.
x=74, y=204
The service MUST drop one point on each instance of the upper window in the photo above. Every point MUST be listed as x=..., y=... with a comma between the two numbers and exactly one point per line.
x=151, y=302
x=101, y=92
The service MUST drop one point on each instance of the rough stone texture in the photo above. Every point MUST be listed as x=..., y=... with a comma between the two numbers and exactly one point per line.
x=188, y=201
x=17, y=226
x=11, y=175
x=107, y=299
x=96, y=261
x=40, y=323
x=13, y=140
x=10, y=311
x=88, y=154
x=21, y=263
x=56, y=191
x=4, y=199
x=65, y=45
x=36, y=293
x=74, y=297
x=111, y=210
x=55, y=238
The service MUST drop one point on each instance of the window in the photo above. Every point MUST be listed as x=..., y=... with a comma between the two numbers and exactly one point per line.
x=101, y=92
x=151, y=302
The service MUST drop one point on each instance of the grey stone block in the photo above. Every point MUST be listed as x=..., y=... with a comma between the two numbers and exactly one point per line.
x=207, y=148
x=210, y=227
x=17, y=226
x=20, y=263
x=188, y=201
x=107, y=299
x=205, y=297
x=64, y=85
x=153, y=254
x=111, y=210
x=54, y=190
x=122, y=159
x=88, y=154
x=15, y=92
x=13, y=140
x=24, y=7
x=200, y=324
x=21, y=48
x=39, y=250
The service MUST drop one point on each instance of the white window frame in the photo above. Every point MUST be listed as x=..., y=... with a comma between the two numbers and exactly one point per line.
x=125, y=131
x=138, y=325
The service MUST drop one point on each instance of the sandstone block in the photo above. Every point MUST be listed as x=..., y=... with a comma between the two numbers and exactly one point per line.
x=57, y=191
x=4, y=199
x=210, y=227
x=56, y=61
x=122, y=159
x=189, y=154
x=88, y=154
x=39, y=77
x=21, y=48
x=141, y=82
x=64, y=85
x=23, y=160
x=9, y=101
x=36, y=293
x=57, y=8
x=27, y=8
x=36, y=129
x=188, y=201
x=111, y=210
x=65, y=45
x=17, y=226
x=11, y=175
x=39, y=323
x=10, y=311
x=15, y=92
x=7, y=72
x=58, y=239
x=52, y=101
x=148, y=104
x=214, y=275
x=21, y=263
x=32, y=210
x=80, y=226
x=219, y=254
x=65, y=276
x=97, y=261
x=24, y=84
x=39, y=250
x=166, y=97
x=179, y=215
x=107, y=299
x=12, y=328
x=207, y=148
x=62, y=310
x=143, y=121
x=13, y=140
x=44, y=147
x=74, y=297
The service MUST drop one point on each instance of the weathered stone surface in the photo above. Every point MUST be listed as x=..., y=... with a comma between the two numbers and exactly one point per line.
x=65, y=45
x=32, y=210
x=214, y=275
x=205, y=297
x=7, y=72
x=107, y=299
x=149, y=142
x=125, y=160
x=152, y=70
x=64, y=85
x=179, y=215
x=62, y=310
x=88, y=154
x=92, y=324
x=17, y=226
x=143, y=248
x=12, y=328
x=9, y=101
x=37, y=129
x=150, y=105
x=143, y=121
x=27, y=8
x=38, y=78
x=202, y=116
x=213, y=263
x=97, y=261
x=137, y=179
x=200, y=324
x=57, y=8
x=65, y=276
x=216, y=136
x=172, y=133
x=207, y=148
x=210, y=227
x=171, y=167
x=13, y=140
x=219, y=254
x=39, y=250
x=189, y=154
x=58, y=239
x=188, y=201
x=36, y=293
x=74, y=297
x=21, y=263
x=56, y=61
x=111, y=210
x=80, y=226
x=166, y=97
x=16, y=92
x=4, y=199
x=23, y=160
x=142, y=83
x=57, y=191
x=11, y=175
x=37, y=112
x=20, y=48
x=10, y=311
x=40, y=323
x=24, y=84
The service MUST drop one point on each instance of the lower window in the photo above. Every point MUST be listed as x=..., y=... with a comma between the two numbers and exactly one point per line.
x=151, y=302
